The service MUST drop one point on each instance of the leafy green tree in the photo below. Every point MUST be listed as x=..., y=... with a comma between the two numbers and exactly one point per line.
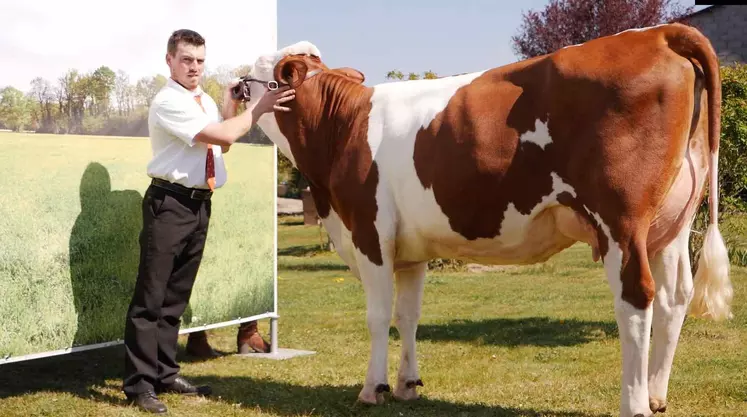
x=14, y=109
x=399, y=75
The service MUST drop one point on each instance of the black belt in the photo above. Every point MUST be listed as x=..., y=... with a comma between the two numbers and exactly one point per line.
x=193, y=193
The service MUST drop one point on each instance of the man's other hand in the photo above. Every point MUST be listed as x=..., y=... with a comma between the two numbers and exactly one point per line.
x=273, y=99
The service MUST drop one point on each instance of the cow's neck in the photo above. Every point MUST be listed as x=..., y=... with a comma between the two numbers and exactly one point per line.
x=328, y=119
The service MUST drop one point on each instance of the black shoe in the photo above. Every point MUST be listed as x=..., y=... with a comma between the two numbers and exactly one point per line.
x=182, y=386
x=148, y=402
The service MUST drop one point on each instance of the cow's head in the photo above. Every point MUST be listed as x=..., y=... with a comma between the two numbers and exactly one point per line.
x=297, y=66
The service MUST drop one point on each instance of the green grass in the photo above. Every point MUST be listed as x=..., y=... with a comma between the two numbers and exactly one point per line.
x=528, y=341
x=70, y=221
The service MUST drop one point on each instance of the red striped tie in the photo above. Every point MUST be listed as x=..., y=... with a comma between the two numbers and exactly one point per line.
x=210, y=163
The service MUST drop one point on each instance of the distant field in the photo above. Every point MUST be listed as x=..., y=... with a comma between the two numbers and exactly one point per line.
x=70, y=221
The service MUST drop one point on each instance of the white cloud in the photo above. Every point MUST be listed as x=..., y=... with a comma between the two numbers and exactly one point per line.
x=48, y=37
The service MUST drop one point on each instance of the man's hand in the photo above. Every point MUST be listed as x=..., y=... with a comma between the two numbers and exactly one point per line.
x=230, y=105
x=272, y=99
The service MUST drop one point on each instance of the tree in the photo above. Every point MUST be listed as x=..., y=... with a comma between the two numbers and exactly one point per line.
x=103, y=81
x=14, y=109
x=122, y=92
x=43, y=96
x=398, y=75
x=395, y=75
x=570, y=22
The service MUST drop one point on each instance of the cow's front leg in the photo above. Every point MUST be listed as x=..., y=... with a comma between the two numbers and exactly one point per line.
x=407, y=313
x=378, y=285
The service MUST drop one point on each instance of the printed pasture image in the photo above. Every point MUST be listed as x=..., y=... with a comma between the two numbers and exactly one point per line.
x=70, y=223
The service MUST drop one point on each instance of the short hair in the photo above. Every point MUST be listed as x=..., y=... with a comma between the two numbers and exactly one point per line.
x=183, y=35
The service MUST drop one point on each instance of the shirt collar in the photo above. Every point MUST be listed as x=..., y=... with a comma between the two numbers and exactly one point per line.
x=178, y=87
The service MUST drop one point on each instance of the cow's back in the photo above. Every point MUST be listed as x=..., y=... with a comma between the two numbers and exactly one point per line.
x=513, y=164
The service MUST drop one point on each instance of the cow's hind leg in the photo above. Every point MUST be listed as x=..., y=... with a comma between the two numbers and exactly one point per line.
x=674, y=290
x=627, y=269
x=407, y=314
x=378, y=285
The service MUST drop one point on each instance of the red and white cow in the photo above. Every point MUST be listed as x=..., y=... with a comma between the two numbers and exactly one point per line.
x=609, y=143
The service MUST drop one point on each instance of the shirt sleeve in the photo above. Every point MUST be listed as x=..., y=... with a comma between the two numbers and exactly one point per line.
x=180, y=119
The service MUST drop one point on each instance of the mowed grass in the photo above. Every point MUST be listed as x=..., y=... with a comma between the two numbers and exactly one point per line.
x=528, y=341
x=70, y=222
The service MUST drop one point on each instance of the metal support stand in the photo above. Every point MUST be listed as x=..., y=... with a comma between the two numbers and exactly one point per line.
x=276, y=352
x=274, y=335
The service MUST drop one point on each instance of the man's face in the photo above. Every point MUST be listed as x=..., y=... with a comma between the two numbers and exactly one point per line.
x=187, y=64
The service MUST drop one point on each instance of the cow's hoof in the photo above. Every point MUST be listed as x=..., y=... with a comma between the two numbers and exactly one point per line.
x=375, y=397
x=657, y=406
x=407, y=391
x=412, y=384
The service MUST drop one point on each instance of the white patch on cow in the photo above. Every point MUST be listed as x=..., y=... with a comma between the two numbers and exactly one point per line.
x=341, y=238
x=263, y=70
x=264, y=66
x=269, y=125
x=513, y=228
x=400, y=109
x=540, y=136
x=635, y=331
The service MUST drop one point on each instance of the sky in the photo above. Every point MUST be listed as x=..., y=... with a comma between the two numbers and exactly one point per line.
x=446, y=37
x=47, y=37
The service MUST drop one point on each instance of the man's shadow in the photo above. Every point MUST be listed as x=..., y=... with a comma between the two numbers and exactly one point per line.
x=104, y=256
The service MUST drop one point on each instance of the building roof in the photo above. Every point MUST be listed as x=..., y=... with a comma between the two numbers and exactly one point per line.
x=703, y=10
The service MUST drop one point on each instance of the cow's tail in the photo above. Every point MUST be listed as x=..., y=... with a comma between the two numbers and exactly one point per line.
x=712, y=286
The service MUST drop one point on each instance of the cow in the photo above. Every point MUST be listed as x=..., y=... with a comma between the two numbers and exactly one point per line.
x=610, y=143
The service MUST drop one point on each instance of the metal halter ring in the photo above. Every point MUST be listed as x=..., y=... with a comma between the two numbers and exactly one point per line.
x=241, y=90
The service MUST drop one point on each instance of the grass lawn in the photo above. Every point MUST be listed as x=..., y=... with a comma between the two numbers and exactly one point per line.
x=528, y=341
x=70, y=222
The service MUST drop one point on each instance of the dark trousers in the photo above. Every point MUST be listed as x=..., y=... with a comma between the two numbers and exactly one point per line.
x=171, y=246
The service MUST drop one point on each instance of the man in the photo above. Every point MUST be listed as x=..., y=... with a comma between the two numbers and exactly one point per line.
x=188, y=137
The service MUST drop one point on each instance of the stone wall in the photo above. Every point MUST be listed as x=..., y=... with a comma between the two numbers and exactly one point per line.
x=726, y=27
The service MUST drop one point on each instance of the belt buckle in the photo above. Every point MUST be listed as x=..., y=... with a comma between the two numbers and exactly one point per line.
x=192, y=195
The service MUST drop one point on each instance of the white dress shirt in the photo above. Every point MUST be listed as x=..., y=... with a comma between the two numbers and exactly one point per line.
x=175, y=118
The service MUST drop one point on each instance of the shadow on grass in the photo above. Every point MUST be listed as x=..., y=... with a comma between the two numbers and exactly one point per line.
x=292, y=221
x=76, y=373
x=301, y=250
x=309, y=267
x=104, y=253
x=285, y=399
x=83, y=374
x=534, y=331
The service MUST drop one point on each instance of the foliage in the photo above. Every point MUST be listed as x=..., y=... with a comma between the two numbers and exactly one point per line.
x=440, y=264
x=570, y=22
x=101, y=102
x=14, y=109
x=399, y=75
x=290, y=176
x=733, y=145
x=732, y=163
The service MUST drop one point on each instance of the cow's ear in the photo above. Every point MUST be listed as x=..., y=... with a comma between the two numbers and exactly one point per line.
x=352, y=73
x=291, y=72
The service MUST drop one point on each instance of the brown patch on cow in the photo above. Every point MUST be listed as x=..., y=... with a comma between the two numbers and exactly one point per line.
x=618, y=135
x=638, y=286
x=327, y=133
x=471, y=156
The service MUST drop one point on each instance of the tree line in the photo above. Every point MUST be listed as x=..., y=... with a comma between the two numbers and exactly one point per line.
x=99, y=102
